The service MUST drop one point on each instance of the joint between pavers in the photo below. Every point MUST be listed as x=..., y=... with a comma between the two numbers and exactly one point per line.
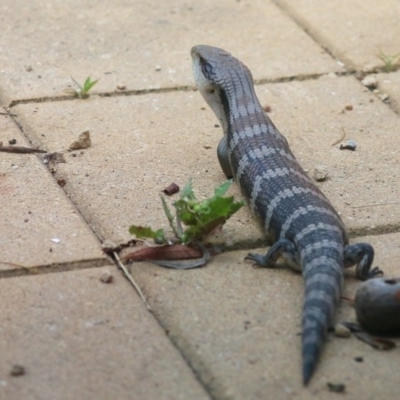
x=134, y=92
x=376, y=230
x=184, y=88
x=355, y=233
x=176, y=342
x=53, y=268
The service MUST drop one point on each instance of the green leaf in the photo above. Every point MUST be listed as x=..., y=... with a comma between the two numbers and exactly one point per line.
x=220, y=191
x=170, y=218
x=185, y=212
x=201, y=218
x=88, y=84
x=167, y=210
x=144, y=232
x=187, y=191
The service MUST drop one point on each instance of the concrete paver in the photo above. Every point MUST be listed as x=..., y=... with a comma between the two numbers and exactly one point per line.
x=40, y=226
x=142, y=45
x=239, y=327
x=158, y=138
x=354, y=32
x=79, y=338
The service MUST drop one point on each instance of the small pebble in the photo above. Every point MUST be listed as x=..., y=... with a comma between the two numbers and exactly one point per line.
x=359, y=359
x=61, y=181
x=336, y=387
x=370, y=81
x=82, y=142
x=121, y=87
x=267, y=108
x=106, y=277
x=350, y=145
x=383, y=96
x=17, y=370
x=12, y=141
x=342, y=331
x=158, y=68
x=253, y=360
x=108, y=245
x=171, y=189
x=348, y=107
x=28, y=68
x=320, y=173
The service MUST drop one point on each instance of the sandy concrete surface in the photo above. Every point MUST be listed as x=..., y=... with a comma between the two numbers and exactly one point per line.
x=228, y=330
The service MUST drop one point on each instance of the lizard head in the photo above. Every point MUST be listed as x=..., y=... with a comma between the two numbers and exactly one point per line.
x=219, y=77
x=211, y=79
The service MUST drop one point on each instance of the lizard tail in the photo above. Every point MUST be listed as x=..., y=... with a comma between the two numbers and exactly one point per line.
x=323, y=285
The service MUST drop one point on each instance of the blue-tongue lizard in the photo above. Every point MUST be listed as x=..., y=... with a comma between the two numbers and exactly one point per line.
x=302, y=224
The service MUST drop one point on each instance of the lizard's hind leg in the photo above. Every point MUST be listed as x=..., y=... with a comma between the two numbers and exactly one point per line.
x=361, y=254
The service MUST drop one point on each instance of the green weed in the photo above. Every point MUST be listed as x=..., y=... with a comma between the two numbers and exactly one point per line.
x=389, y=60
x=193, y=219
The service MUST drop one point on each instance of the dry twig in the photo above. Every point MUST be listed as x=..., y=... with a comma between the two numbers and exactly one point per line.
x=341, y=138
x=131, y=280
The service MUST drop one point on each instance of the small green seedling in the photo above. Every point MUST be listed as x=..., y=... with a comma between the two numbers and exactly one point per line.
x=389, y=60
x=199, y=218
x=82, y=91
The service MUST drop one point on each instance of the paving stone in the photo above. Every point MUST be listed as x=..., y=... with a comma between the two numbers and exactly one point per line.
x=354, y=32
x=142, y=45
x=79, y=338
x=160, y=138
x=39, y=225
x=239, y=327
x=390, y=84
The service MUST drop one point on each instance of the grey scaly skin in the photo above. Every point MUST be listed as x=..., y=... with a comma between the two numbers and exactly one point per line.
x=304, y=227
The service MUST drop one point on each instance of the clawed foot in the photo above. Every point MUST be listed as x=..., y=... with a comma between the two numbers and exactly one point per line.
x=374, y=273
x=258, y=259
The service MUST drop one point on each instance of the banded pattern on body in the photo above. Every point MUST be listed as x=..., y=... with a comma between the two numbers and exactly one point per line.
x=304, y=226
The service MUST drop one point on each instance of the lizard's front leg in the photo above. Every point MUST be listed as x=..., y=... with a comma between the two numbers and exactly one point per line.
x=282, y=248
x=223, y=157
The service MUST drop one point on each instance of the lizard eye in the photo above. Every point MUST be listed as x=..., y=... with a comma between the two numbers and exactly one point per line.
x=206, y=68
x=211, y=90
